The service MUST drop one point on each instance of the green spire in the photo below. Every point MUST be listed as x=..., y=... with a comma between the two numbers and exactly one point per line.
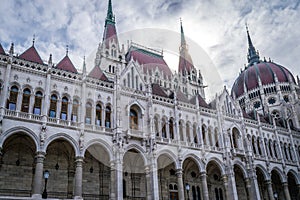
x=252, y=54
x=183, y=42
x=110, y=15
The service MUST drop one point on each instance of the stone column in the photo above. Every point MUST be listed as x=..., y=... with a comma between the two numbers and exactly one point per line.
x=93, y=116
x=204, y=188
x=19, y=100
x=119, y=179
x=286, y=191
x=154, y=174
x=112, y=195
x=226, y=187
x=248, y=189
x=180, y=184
x=148, y=184
x=232, y=185
x=78, y=178
x=58, y=108
x=270, y=189
x=31, y=103
x=38, y=176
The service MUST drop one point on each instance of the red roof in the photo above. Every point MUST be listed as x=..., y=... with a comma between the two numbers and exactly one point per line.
x=157, y=90
x=149, y=60
x=265, y=71
x=98, y=74
x=66, y=65
x=1, y=50
x=32, y=55
x=182, y=97
x=110, y=34
x=201, y=101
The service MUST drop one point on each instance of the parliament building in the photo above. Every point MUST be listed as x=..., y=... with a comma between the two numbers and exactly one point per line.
x=131, y=128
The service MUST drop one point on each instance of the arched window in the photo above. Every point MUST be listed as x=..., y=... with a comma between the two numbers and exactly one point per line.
x=98, y=115
x=164, y=128
x=13, y=96
x=171, y=128
x=156, y=130
x=187, y=131
x=107, y=117
x=203, y=128
x=75, y=111
x=88, y=113
x=216, y=138
x=198, y=193
x=181, y=131
x=253, y=145
x=25, y=100
x=64, y=108
x=235, y=138
x=258, y=146
x=195, y=134
x=275, y=149
x=53, y=102
x=37, y=103
x=194, y=192
x=134, y=119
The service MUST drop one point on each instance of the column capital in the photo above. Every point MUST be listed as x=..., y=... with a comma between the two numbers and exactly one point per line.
x=179, y=172
x=79, y=159
x=40, y=156
x=225, y=178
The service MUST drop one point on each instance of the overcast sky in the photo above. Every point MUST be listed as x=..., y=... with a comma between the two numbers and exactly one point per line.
x=217, y=27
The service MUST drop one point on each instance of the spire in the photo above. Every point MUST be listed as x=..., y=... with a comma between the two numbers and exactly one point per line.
x=185, y=61
x=84, y=66
x=110, y=15
x=50, y=61
x=252, y=54
x=183, y=42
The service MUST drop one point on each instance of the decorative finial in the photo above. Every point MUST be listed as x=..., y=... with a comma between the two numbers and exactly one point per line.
x=33, y=39
x=11, y=50
x=84, y=66
x=67, y=50
x=50, y=60
x=246, y=24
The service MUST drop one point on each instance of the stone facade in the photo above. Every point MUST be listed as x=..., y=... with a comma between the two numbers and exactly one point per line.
x=126, y=130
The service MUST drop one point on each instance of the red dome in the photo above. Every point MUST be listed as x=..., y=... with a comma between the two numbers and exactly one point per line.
x=264, y=70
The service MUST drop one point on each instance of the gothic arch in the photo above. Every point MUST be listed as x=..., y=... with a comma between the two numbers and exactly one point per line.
x=280, y=173
x=264, y=172
x=22, y=129
x=195, y=158
x=239, y=164
x=38, y=89
x=137, y=103
x=66, y=137
x=27, y=86
x=296, y=176
x=100, y=142
x=217, y=162
x=138, y=149
x=170, y=154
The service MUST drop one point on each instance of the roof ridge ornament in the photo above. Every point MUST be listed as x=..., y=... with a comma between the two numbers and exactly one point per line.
x=67, y=50
x=33, y=39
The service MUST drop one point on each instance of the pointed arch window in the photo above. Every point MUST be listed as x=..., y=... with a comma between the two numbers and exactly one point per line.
x=195, y=134
x=108, y=117
x=181, y=131
x=171, y=128
x=13, y=96
x=64, y=108
x=164, y=129
x=134, y=119
x=37, y=103
x=156, y=128
x=98, y=114
x=88, y=113
x=53, y=104
x=25, y=100
x=74, y=115
x=187, y=131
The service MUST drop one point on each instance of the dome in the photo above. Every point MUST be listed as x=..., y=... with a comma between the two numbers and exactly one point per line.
x=265, y=71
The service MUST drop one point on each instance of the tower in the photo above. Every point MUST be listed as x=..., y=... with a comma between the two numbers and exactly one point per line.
x=191, y=81
x=109, y=55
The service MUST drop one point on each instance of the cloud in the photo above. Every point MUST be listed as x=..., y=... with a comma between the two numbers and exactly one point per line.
x=218, y=27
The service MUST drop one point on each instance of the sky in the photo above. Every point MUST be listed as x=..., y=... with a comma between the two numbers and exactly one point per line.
x=215, y=31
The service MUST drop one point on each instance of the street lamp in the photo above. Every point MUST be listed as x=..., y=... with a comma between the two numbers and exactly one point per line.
x=275, y=195
x=46, y=176
x=187, y=187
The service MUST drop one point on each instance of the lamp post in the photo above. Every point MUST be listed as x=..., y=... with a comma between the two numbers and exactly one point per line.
x=187, y=187
x=275, y=195
x=46, y=176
